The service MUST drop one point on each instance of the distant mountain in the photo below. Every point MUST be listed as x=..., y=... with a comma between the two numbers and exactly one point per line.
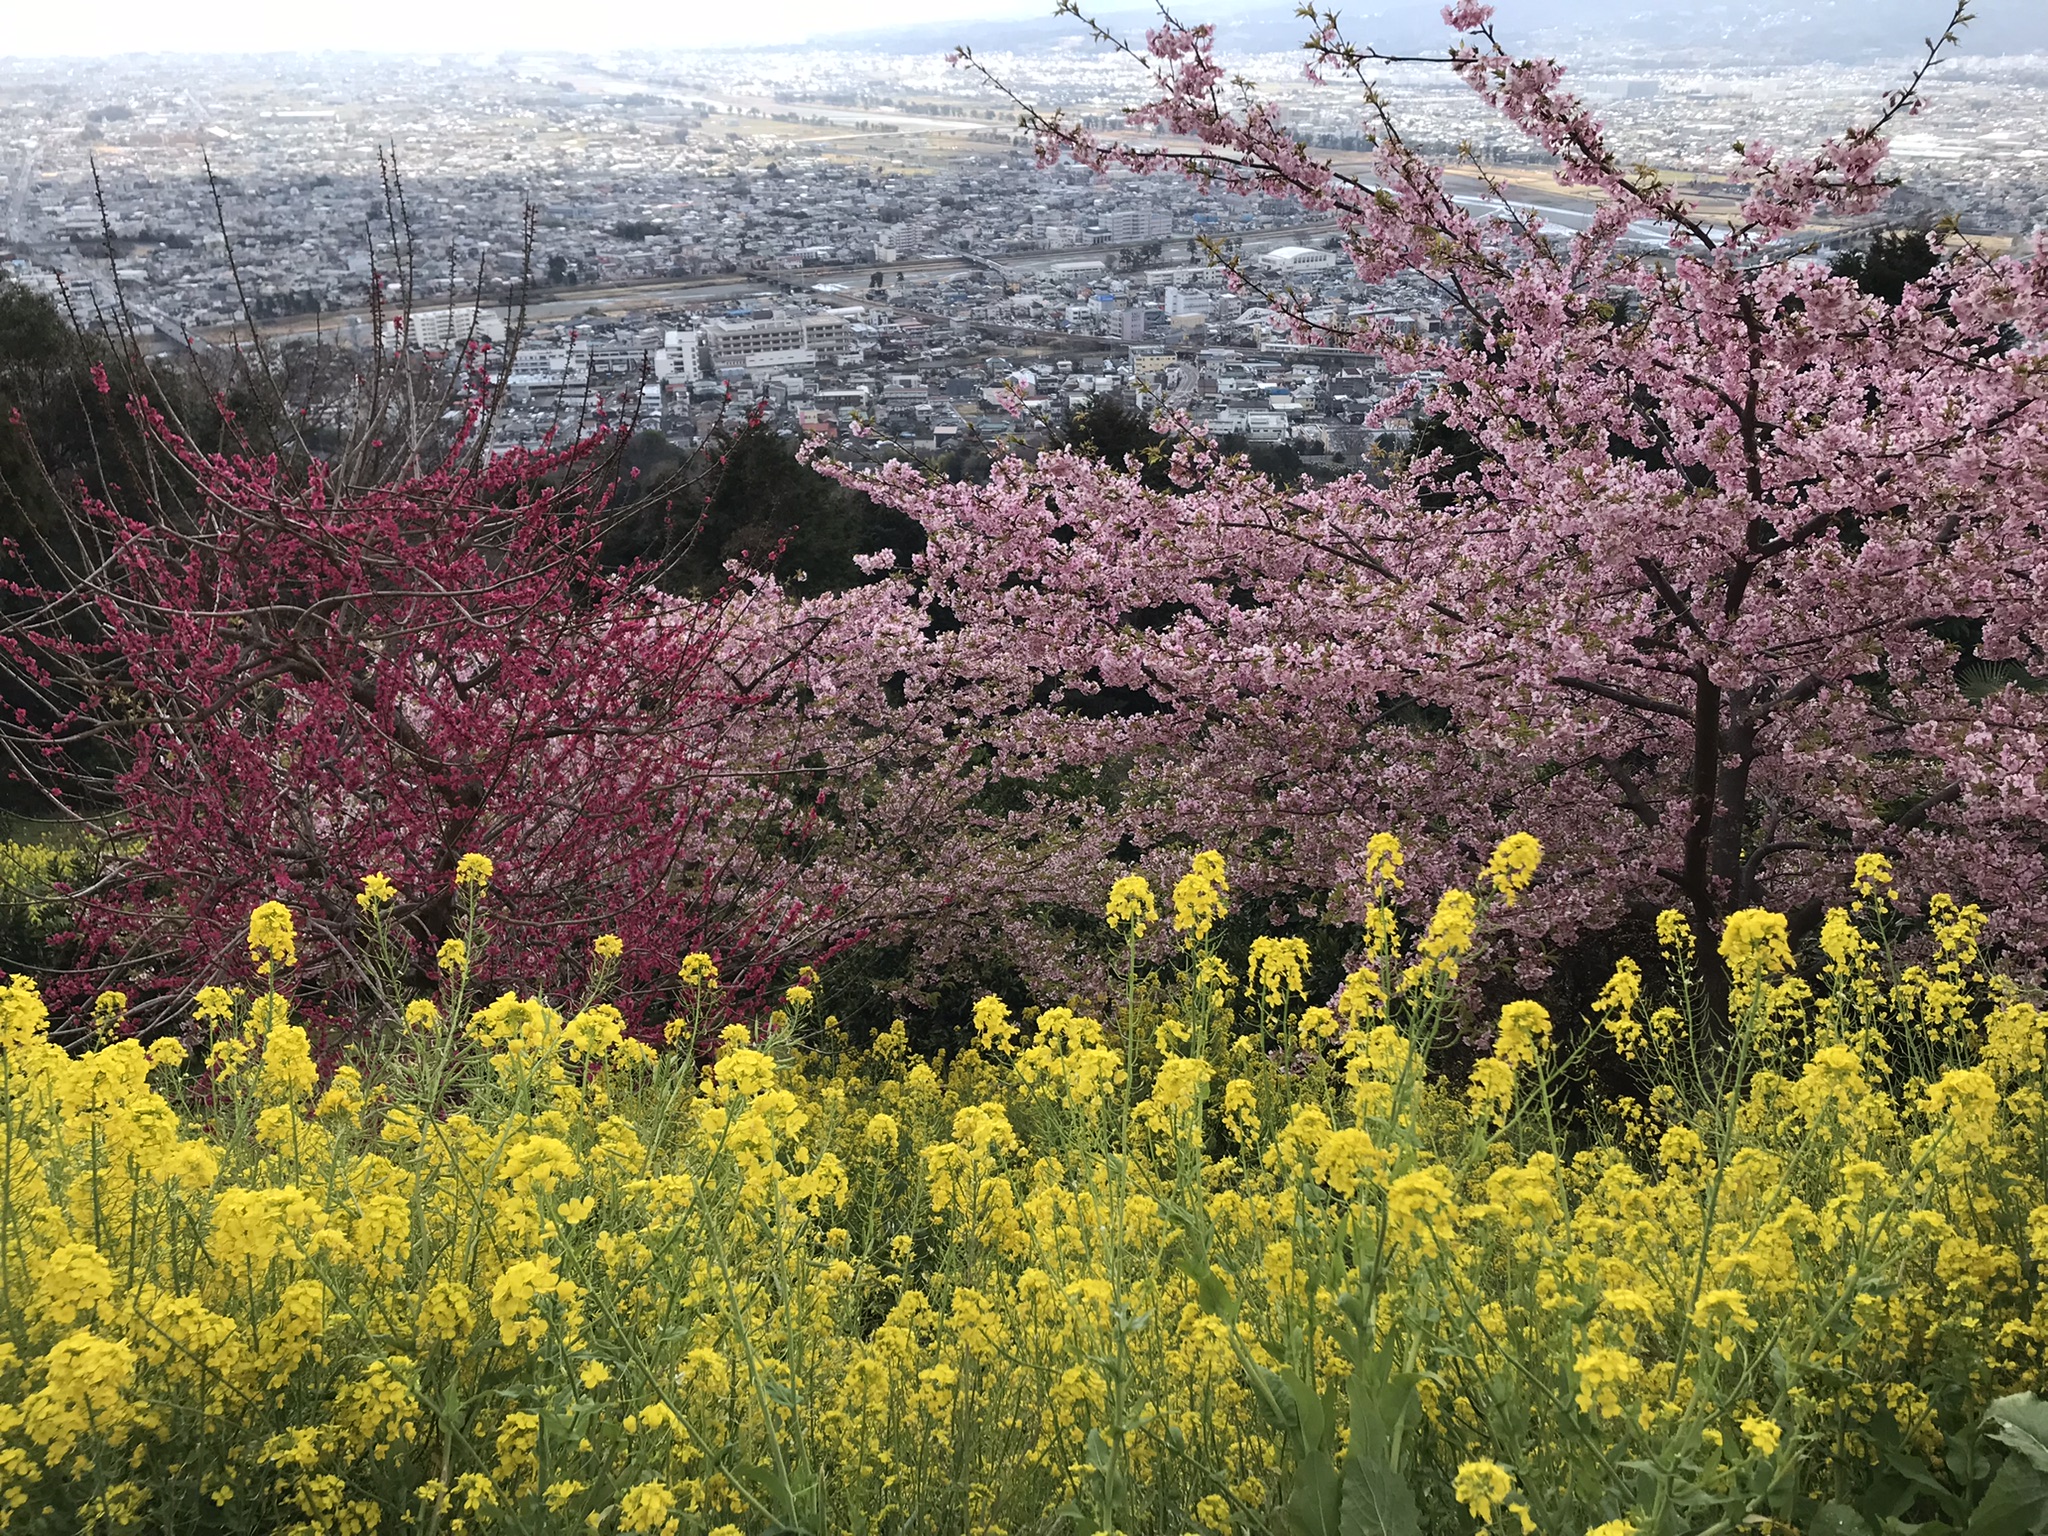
x=1756, y=31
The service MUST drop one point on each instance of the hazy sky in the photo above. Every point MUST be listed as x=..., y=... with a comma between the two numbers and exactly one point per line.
x=37, y=27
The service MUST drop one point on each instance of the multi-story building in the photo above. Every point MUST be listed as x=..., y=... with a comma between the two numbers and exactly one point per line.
x=681, y=357
x=780, y=339
x=1139, y=223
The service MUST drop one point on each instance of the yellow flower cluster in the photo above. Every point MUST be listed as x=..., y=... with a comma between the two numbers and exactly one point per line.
x=1512, y=869
x=512, y=1271
x=1198, y=903
x=1131, y=909
x=273, y=938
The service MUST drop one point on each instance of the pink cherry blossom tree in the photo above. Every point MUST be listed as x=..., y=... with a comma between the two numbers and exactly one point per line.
x=1743, y=576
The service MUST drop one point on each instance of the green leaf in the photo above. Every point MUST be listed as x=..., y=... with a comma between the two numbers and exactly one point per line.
x=1272, y=1397
x=1311, y=1508
x=1215, y=1295
x=1308, y=1409
x=2016, y=1503
x=2020, y=1422
x=1210, y=1289
x=1377, y=1501
x=1096, y=1452
x=1837, y=1520
x=1914, y=1472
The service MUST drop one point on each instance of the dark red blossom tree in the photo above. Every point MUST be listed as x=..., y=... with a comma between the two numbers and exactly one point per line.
x=303, y=683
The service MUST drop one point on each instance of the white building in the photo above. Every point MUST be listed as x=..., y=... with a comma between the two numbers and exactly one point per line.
x=445, y=326
x=753, y=344
x=1255, y=426
x=681, y=357
x=1299, y=258
x=1139, y=223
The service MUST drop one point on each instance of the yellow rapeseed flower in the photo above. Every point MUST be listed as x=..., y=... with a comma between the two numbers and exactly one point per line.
x=1873, y=879
x=473, y=872
x=1523, y=1033
x=1241, y=1110
x=1755, y=943
x=1278, y=968
x=287, y=1306
x=1615, y=1007
x=1482, y=1486
x=86, y=1380
x=273, y=940
x=1491, y=1089
x=1450, y=933
x=213, y=1005
x=1362, y=998
x=1512, y=868
x=1674, y=933
x=645, y=1508
x=517, y=1293
x=1383, y=861
x=1198, y=903
x=1349, y=1157
x=288, y=1070
x=1131, y=909
x=1603, y=1373
x=993, y=1030
x=1840, y=941
x=75, y=1280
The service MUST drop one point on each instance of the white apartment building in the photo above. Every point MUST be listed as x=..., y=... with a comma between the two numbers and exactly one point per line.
x=1140, y=223
x=681, y=357
x=758, y=343
x=1256, y=426
x=444, y=327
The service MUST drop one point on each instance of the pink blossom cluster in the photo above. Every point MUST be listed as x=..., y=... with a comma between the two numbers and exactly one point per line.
x=1720, y=605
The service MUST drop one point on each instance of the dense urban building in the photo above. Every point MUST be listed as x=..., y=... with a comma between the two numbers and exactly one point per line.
x=840, y=240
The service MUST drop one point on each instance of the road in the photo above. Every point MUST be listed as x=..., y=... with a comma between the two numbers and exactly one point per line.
x=555, y=304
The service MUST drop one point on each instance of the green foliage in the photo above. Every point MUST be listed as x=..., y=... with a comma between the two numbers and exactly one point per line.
x=1893, y=259
x=1109, y=430
x=32, y=909
x=747, y=498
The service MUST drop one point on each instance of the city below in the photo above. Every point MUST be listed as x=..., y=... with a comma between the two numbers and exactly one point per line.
x=838, y=240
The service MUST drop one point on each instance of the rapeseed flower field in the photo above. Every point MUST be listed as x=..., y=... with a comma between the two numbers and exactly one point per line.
x=1222, y=1259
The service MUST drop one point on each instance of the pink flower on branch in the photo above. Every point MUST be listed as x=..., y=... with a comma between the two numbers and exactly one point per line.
x=1706, y=585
